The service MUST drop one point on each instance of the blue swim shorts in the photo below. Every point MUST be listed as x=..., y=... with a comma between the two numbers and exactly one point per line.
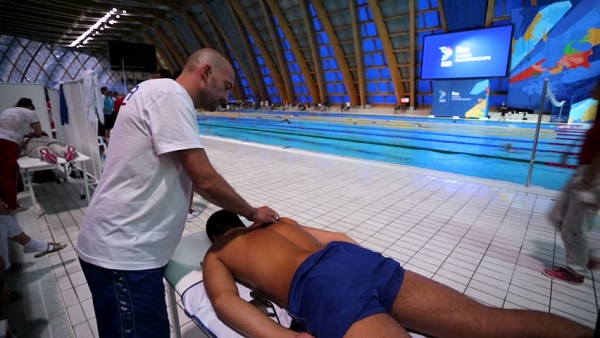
x=342, y=284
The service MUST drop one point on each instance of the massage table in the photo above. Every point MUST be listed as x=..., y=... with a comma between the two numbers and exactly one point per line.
x=29, y=165
x=184, y=270
x=184, y=274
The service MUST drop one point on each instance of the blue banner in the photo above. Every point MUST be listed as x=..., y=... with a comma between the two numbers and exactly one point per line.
x=463, y=98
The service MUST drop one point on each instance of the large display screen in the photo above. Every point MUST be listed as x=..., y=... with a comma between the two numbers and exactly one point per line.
x=132, y=56
x=480, y=53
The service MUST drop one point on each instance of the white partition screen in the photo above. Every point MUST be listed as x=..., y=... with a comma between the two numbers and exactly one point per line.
x=55, y=113
x=82, y=129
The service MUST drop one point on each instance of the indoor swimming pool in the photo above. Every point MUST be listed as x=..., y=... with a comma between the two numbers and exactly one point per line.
x=487, y=149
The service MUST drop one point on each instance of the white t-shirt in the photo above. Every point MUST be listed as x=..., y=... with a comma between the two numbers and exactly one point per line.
x=138, y=212
x=16, y=122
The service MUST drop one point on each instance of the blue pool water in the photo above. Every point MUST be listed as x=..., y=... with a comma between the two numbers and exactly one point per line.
x=469, y=147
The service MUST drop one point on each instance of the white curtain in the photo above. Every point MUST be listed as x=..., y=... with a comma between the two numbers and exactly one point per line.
x=55, y=111
x=82, y=129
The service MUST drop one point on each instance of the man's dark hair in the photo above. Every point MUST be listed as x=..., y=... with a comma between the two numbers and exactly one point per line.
x=163, y=73
x=24, y=102
x=222, y=221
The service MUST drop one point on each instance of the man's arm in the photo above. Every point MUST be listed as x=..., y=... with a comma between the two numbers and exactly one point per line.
x=213, y=187
x=231, y=308
x=37, y=130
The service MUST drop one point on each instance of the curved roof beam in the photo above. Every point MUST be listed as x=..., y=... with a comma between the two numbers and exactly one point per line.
x=285, y=75
x=388, y=50
x=258, y=77
x=197, y=30
x=289, y=35
x=171, y=47
x=338, y=52
x=313, y=51
x=251, y=79
x=237, y=7
x=201, y=36
x=443, y=14
x=489, y=13
x=358, y=54
x=186, y=47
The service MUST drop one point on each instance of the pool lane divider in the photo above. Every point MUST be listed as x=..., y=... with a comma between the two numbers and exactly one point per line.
x=554, y=164
x=426, y=139
x=411, y=129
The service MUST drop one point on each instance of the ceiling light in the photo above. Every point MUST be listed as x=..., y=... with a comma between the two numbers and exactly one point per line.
x=99, y=25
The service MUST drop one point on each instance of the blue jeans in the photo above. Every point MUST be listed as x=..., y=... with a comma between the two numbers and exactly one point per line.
x=128, y=303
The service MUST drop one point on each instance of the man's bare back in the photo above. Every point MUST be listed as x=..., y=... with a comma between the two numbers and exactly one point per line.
x=267, y=257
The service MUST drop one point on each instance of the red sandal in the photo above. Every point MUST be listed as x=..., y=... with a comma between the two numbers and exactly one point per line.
x=70, y=154
x=47, y=156
x=564, y=275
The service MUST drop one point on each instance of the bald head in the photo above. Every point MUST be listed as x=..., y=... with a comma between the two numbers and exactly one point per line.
x=207, y=56
x=207, y=77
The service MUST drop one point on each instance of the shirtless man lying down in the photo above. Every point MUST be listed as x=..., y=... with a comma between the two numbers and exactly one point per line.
x=336, y=288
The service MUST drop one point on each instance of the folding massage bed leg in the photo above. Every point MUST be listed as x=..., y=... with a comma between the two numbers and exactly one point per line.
x=174, y=312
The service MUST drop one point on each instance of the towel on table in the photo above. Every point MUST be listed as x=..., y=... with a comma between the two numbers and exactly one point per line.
x=198, y=307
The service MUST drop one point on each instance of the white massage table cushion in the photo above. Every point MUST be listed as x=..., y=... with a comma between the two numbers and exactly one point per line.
x=198, y=307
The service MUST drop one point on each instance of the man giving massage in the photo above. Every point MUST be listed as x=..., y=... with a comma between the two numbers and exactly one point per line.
x=336, y=288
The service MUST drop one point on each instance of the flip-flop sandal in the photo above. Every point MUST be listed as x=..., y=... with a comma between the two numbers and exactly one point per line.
x=14, y=296
x=70, y=154
x=47, y=156
x=52, y=247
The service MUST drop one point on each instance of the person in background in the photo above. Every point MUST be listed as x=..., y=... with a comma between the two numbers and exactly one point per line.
x=10, y=230
x=107, y=110
x=117, y=104
x=15, y=124
x=503, y=110
x=576, y=208
x=138, y=212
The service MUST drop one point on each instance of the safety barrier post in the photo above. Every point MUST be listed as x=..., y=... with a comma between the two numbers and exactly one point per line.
x=537, y=133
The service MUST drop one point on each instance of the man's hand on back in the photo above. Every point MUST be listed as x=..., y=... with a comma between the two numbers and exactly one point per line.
x=263, y=215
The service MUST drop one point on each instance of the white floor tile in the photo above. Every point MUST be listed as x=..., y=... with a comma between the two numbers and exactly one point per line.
x=487, y=239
